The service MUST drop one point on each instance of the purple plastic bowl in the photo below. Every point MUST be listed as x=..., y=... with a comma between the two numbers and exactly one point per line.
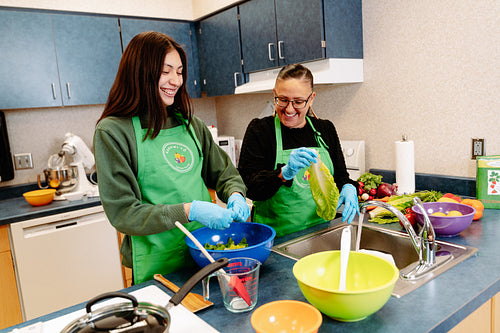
x=260, y=239
x=446, y=226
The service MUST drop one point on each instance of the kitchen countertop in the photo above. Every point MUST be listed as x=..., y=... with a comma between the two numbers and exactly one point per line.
x=18, y=209
x=436, y=306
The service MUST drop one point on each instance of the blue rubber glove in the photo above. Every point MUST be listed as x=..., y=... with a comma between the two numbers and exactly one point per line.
x=299, y=158
x=210, y=215
x=348, y=197
x=239, y=207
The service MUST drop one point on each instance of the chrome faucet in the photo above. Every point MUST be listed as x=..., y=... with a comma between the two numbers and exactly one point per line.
x=424, y=243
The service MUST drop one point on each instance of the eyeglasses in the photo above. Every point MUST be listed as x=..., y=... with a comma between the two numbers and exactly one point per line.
x=297, y=104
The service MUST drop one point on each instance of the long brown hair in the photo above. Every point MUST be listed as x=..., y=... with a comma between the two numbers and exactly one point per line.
x=135, y=90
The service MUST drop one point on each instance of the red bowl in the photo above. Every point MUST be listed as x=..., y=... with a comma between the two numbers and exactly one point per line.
x=446, y=226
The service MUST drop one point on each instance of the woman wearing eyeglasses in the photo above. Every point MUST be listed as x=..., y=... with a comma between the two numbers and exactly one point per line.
x=278, y=149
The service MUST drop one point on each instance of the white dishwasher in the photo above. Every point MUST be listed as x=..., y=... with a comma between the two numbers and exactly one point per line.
x=64, y=259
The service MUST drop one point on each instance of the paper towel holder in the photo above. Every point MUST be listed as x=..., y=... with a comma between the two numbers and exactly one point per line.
x=404, y=138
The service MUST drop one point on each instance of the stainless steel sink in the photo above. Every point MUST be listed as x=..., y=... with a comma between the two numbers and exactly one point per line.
x=395, y=243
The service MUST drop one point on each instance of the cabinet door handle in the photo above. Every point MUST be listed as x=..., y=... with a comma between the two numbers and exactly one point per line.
x=53, y=90
x=68, y=89
x=280, y=47
x=236, y=79
x=269, y=51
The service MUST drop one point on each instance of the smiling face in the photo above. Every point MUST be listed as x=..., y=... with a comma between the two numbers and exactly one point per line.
x=297, y=90
x=171, y=77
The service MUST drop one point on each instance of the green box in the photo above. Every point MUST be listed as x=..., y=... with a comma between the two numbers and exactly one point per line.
x=488, y=181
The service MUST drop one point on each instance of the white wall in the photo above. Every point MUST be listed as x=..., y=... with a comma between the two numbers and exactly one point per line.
x=174, y=9
x=432, y=72
x=202, y=7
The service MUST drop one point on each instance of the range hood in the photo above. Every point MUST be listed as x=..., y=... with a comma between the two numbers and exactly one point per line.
x=325, y=71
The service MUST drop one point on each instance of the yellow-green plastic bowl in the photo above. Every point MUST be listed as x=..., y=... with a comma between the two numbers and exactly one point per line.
x=40, y=197
x=369, y=283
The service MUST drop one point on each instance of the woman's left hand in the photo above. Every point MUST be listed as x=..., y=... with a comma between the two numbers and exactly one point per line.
x=348, y=197
x=238, y=205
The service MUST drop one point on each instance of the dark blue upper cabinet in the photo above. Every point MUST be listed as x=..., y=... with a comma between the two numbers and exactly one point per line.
x=300, y=31
x=344, y=29
x=275, y=33
x=28, y=68
x=219, y=48
x=88, y=55
x=52, y=60
x=179, y=31
x=258, y=35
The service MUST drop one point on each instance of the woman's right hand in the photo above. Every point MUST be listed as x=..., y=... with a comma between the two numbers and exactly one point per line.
x=299, y=158
x=210, y=215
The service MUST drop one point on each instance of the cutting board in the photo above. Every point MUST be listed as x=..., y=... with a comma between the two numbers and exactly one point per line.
x=183, y=321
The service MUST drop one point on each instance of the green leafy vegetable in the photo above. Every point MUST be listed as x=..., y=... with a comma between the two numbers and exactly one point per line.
x=401, y=202
x=229, y=245
x=324, y=190
x=370, y=181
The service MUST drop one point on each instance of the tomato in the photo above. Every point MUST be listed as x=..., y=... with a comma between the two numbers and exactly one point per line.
x=452, y=196
x=411, y=217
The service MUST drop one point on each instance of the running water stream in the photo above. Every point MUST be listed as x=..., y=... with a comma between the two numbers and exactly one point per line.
x=358, y=234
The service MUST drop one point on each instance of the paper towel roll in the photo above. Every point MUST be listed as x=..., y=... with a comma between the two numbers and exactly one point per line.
x=405, y=166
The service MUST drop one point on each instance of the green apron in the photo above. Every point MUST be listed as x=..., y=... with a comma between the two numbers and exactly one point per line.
x=169, y=172
x=292, y=208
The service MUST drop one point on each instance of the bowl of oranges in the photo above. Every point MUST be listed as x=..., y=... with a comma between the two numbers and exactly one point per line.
x=447, y=218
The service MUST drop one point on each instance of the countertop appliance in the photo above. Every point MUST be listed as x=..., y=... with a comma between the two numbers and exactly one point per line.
x=228, y=145
x=64, y=259
x=83, y=160
x=354, y=155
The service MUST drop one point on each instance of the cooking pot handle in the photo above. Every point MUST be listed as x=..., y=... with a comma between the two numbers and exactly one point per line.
x=111, y=294
x=200, y=275
x=39, y=183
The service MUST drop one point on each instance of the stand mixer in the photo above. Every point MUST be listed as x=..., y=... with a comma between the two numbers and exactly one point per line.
x=83, y=160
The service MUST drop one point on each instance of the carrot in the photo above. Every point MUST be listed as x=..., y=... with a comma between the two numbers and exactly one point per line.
x=384, y=199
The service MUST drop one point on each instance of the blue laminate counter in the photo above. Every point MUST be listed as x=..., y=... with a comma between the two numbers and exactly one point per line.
x=18, y=209
x=435, y=307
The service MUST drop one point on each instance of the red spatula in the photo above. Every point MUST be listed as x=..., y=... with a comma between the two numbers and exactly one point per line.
x=233, y=281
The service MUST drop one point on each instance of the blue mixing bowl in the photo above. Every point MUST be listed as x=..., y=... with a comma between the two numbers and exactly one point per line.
x=260, y=239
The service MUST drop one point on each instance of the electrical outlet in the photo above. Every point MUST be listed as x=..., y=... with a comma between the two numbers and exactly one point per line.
x=477, y=148
x=23, y=161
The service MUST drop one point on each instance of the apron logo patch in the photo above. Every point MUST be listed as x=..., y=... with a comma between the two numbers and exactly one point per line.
x=302, y=179
x=178, y=156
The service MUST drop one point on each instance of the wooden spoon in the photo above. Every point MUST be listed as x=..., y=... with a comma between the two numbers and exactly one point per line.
x=193, y=302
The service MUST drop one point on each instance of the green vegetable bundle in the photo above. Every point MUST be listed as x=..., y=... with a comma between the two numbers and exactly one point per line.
x=230, y=245
x=324, y=190
x=370, y=181
x=401, y=202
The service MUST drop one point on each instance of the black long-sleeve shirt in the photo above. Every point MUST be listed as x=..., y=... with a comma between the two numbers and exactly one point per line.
x=258, y=154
